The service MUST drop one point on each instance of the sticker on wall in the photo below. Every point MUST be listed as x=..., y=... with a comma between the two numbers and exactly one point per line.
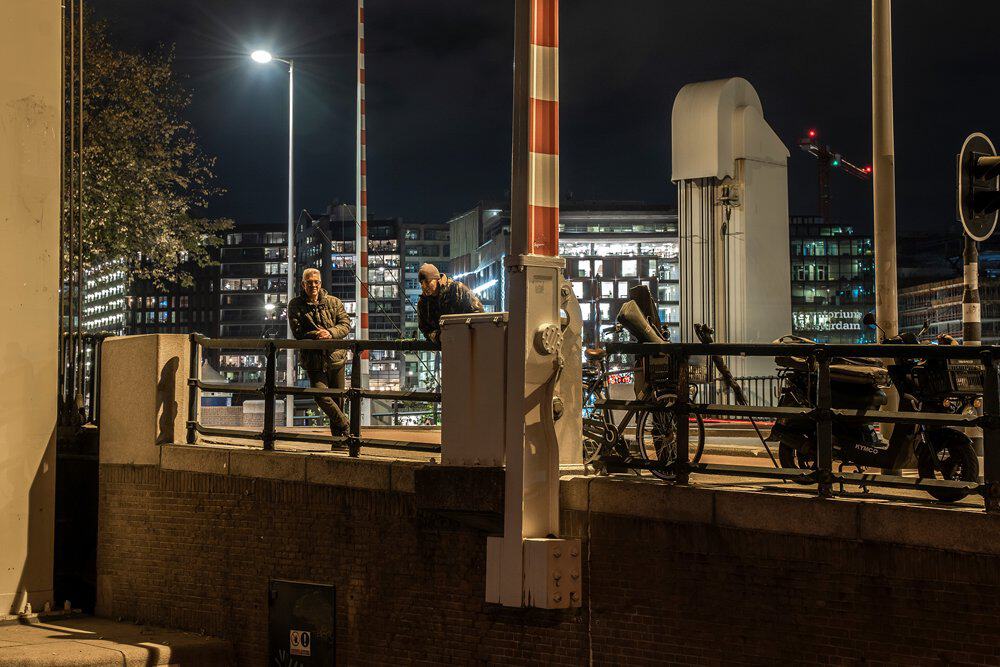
x=300, y=642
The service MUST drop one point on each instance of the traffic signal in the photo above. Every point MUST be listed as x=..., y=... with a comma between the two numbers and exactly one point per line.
x=978, y=186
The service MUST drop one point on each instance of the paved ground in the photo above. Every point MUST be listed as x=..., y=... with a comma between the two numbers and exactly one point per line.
x=731, y=447
x=92, y=642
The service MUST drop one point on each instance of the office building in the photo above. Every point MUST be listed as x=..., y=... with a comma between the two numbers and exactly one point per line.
x=609, y=247
x=939, y=304
x=833, y=281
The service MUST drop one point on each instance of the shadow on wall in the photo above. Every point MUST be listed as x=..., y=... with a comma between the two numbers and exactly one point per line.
x=36, y=570
x=166, y=401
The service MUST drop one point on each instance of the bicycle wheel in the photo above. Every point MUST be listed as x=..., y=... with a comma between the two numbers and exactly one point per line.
x=656, y=439
x=596, y=422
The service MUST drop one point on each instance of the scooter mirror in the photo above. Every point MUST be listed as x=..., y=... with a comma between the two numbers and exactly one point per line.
x=869, y=319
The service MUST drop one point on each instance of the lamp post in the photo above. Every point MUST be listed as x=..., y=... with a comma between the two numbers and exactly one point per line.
x=264, y=57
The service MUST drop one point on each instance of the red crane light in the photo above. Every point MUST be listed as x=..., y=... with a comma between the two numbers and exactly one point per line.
x=812, y=134
x=868, y=169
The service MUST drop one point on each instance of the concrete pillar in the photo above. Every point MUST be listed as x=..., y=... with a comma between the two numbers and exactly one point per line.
x=884, y=169
x=30, y=101
x=144, y=396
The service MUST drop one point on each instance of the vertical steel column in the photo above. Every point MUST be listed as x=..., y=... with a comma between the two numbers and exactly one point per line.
x=79, y=223
x=270, y=373
x=683, y=430
x=884, y=169
x=824, y=426
x=69, y=342
x=290, y=251
x=991, y=431
x=354, y=438
x=194, y=394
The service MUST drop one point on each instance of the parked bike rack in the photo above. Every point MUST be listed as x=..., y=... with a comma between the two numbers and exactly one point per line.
x=824, y=414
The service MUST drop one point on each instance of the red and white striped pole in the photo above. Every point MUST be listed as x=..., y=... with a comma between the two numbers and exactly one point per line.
x=535, y=177
x=361, y=248
x=533, y=368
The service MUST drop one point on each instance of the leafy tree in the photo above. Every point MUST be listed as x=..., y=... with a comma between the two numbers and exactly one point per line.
x=145, y=178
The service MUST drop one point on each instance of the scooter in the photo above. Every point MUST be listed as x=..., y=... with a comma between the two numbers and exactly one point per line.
x=858, y=383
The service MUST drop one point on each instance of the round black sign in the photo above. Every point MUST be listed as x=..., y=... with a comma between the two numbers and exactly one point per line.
x=978, y=226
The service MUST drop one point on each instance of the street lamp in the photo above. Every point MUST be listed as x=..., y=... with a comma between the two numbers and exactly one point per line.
x=264, y=57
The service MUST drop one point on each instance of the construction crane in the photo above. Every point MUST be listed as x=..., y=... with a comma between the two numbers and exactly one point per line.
x=828, y=159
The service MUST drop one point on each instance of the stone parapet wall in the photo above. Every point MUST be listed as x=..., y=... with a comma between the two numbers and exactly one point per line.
x=682, y=575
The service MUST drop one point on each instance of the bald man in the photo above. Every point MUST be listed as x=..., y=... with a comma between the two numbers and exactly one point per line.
x=316, y=315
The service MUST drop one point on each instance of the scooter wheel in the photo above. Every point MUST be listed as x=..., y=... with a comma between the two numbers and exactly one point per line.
x=956, y=460
x=789, y=457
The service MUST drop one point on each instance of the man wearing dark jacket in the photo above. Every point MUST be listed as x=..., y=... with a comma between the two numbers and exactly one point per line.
x=316, y=315
x=442, y=296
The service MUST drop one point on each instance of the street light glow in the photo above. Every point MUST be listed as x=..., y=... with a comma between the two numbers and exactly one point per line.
x=261, y=56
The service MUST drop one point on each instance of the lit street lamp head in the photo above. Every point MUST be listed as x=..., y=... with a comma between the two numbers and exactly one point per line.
x=261, y=56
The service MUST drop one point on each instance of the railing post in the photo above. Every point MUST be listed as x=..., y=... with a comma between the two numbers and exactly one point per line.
x=991, y=431
x=824, y=426
x=194, y=394
x=354, y=439
x=682, y=472
x=270, y=374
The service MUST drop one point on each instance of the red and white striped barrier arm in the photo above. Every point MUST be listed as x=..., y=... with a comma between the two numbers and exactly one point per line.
x=543, y=130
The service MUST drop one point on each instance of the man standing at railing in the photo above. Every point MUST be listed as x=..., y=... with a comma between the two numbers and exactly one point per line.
x=316, y=315
x=442, y=296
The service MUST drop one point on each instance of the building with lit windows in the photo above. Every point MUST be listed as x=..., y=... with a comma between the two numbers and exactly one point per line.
x=939, y=304
x=833, y=281
x=252, y=296
x=609, y=247
x=105, y=298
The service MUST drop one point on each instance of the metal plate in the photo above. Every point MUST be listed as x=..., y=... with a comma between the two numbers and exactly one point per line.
x=978, y=227
x=302, y=624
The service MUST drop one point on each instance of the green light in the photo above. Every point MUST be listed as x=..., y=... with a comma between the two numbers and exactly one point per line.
x=835, y=163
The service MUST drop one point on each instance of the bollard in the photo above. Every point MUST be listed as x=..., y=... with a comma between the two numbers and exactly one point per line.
x=824, y=426
x=270, y=373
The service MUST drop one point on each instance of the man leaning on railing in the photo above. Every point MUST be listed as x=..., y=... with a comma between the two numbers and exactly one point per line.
x=316, y=315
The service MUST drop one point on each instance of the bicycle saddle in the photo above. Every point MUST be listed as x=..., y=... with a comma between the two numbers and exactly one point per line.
x=595, y=353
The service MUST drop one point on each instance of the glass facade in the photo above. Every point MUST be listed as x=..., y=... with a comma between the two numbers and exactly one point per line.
x=833, y=281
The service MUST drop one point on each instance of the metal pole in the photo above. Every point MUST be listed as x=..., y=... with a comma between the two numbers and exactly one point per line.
x=194, y=396
x=824, y=426
x=354, y=437
x=884, y=170
x=683, y=432
x=361, y=247
x=78, y=403
x=69, y=342
x=290, y=288
x=971, y=312
x=269, y=402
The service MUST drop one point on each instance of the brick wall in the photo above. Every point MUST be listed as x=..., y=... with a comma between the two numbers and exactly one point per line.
x=195, y=551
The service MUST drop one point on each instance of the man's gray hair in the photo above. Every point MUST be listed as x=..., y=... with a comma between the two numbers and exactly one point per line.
x=309, y=271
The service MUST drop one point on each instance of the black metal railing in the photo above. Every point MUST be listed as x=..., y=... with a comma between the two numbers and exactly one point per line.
x=824, y=415
x=80, y=378
x=269, y=390
x=759, y=389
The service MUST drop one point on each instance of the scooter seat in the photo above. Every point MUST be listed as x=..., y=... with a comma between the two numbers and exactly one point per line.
x=594, y=353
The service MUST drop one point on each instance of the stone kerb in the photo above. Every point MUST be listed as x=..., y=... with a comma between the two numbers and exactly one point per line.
x=143, y=396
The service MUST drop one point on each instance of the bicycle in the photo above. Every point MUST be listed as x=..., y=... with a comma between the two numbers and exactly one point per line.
x=654, y=448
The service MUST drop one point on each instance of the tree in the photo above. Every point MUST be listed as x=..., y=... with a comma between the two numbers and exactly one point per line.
x=145, y=179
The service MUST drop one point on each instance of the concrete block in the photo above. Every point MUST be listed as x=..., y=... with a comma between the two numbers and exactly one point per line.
x=794, y=516
x=402, y=476
x=352, y=473
x=195, y=458
x=934, y=527
x=290, y=467
x=143, y=396
x=650, y=499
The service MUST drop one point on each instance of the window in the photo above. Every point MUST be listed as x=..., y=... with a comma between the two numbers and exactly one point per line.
x=651, y=270
x=623, y=290
x=583, y=268
x=585, y=310
x=607, y=290
x=598, y=267
x=578, y=289
x=630, y=268
x=411, y=234
x=605, y=311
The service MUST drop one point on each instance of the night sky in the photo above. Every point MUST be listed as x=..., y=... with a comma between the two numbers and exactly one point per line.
x=439, y=95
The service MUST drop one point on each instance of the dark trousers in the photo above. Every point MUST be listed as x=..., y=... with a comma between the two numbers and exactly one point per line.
x=332, y=406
